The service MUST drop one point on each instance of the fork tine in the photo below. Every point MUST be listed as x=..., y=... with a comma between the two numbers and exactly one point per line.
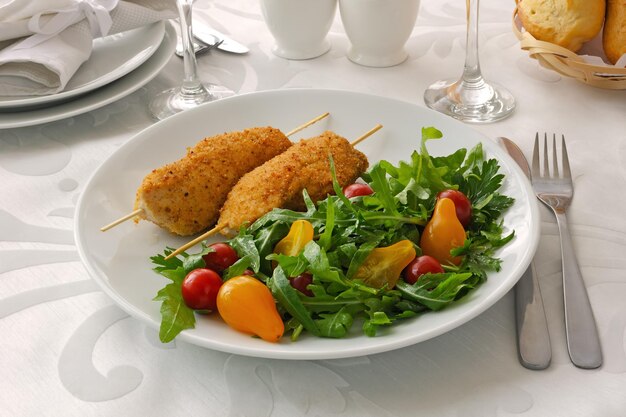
x=546, y=169
x=566, y=170
x=555, y=166
x=534, y=172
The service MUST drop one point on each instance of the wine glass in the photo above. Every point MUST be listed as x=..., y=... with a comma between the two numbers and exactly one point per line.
x=193, y=91
x=470, y=98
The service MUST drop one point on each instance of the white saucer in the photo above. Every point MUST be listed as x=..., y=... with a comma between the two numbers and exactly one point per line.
x=103, y=96
x=112, y=57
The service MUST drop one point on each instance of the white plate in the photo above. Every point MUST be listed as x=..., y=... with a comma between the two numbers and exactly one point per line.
x=119, y=259
x=112, y=57
x=104, y=95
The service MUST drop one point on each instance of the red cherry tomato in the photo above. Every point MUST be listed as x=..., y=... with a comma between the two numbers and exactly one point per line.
x=355, y=190
x=419, y=266
x=200, y=288
x=300, y=283
x=461, y=203
x=222, y=257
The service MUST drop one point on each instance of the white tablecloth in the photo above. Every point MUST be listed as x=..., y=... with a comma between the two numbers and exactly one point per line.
x=67, y=350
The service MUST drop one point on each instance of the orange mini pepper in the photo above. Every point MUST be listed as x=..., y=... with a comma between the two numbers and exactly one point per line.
x=442, y=233
x=383, y=266
x=300, y=233
x=247, y=305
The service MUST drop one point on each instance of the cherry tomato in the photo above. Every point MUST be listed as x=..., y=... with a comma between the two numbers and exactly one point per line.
x=248, y=272
x=222, y=257
x=355, y=190
x=419, y=266
x=461, y=203
x=200, y=288
x=300, y=283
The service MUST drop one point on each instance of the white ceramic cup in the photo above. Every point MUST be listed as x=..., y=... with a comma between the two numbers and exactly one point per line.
x=378, y=29
x=299, y=27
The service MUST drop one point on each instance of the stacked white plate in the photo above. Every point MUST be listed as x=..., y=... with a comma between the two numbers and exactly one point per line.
x=119, y=65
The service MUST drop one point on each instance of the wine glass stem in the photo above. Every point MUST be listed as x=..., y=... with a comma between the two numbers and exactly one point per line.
x=471, y=71
x=191, y=84
x=470, y=98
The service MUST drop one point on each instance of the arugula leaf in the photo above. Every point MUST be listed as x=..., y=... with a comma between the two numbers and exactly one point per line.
x=248, y=254
x=335, y=325
x=436, y=291
x=265, y=240
x=177, y=275
x=474, y=158
x=175, y=315
x=289, y=299
x=430, y=133
x=360, y=255
x=380, y=312
x=191, y=262
x=237, y=269
x=337, y=187
x=319, y=264
x=380, y=185
x=325, y=239
x=291, y=265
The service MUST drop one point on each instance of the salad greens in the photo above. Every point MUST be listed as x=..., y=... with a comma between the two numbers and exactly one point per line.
x=347, y=230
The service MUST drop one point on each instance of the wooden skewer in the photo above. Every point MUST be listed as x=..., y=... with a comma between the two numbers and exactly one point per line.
x=216, y=229
x=139, y=211
x=121, y=220
x=307, y=124
x=197, y=240
x=366, y=135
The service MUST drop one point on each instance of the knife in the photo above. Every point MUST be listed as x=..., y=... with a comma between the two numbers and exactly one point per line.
x=533, y=339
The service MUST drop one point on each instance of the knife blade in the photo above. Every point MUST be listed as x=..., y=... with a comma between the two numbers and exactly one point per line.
x=533, y=339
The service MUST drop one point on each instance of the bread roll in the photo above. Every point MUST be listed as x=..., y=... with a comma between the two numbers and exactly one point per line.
x=614, y=36
x=568, y=23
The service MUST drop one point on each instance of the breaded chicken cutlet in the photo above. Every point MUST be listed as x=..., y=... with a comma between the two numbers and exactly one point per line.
x=185, y=196
x=279, y=182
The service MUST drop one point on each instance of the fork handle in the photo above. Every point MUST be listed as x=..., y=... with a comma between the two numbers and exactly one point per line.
x=583, y=342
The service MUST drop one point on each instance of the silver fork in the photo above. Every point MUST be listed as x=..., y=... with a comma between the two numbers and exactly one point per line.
x=556, y=192
x=199, y=46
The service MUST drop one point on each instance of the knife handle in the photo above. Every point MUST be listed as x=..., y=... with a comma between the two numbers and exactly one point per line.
x=533, y=339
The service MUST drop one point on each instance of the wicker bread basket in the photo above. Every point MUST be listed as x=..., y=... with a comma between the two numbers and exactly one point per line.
x=568, y=63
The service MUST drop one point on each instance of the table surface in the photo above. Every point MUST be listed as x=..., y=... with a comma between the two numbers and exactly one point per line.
x=68, y=350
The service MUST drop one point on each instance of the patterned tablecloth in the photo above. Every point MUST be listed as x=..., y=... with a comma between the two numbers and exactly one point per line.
x=67, y=350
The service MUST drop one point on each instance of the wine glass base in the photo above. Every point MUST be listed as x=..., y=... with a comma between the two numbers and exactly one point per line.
x=486, y=104
x=172, y=101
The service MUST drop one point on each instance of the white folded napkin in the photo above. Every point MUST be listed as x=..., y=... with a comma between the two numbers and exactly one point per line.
x=43, y=43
